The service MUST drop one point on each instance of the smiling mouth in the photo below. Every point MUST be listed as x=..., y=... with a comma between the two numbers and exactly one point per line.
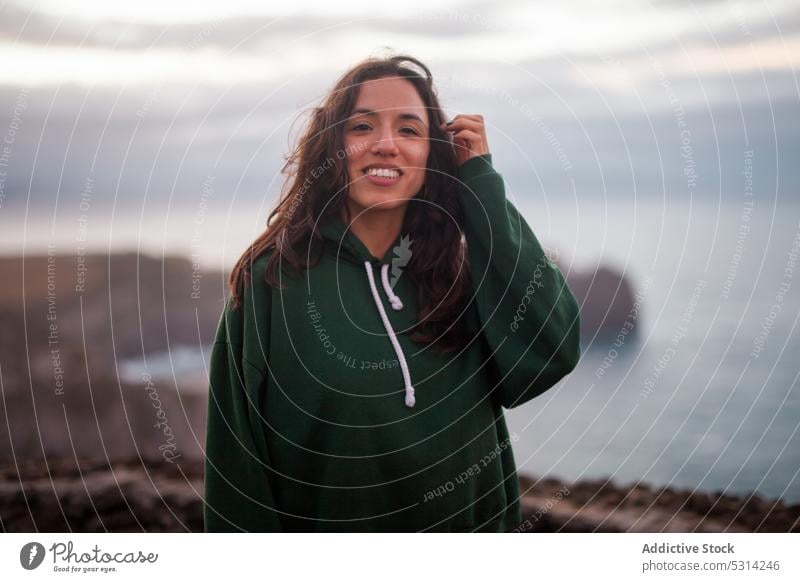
x=382, y=177
x=383, y=173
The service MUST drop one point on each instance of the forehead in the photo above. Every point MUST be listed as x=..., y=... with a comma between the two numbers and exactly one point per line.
x=390, y=96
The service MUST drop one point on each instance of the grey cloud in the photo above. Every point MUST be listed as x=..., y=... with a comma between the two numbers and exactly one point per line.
x=18, y=24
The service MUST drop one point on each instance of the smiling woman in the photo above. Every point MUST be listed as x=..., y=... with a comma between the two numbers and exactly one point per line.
x=330, y=412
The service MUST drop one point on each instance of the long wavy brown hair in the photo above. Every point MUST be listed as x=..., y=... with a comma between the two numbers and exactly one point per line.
x=433, y=218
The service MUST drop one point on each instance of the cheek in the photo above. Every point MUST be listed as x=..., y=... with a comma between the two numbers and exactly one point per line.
x=421, y=152
x=354, y=149
x=352, y=165
x=419, y=159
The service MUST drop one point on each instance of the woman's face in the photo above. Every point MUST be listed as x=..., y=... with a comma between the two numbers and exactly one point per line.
x=387, y=129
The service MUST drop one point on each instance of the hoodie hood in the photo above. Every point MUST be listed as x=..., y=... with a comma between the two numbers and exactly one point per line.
x=344, y=245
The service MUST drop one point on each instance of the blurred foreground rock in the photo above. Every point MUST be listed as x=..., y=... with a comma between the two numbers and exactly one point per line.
x=549, y=505
x=137, y=496
x=150, y=495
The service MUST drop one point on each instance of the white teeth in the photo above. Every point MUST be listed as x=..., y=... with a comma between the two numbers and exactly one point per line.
x=383, y=172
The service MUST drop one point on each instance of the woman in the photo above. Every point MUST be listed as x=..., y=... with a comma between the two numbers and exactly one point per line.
x=331, y=411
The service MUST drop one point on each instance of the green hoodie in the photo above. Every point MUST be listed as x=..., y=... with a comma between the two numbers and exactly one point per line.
x=324, y=416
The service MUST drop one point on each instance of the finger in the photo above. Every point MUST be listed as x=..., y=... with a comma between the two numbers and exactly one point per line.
x=464, y=123
x=468, y=141
x=467, y=134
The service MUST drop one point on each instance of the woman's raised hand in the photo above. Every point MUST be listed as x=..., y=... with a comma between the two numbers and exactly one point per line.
x=469, y=136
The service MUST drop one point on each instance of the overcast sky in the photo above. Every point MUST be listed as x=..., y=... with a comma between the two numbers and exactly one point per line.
x=116, y=43
x=145, y=100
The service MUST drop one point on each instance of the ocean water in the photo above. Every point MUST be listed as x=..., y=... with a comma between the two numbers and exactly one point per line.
x=707, y=397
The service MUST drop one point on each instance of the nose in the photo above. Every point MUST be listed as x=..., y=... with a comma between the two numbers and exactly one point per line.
x=384, y=142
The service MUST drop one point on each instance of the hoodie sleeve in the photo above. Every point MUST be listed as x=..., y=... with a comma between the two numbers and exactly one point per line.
x=529, y=316
x=238, y=490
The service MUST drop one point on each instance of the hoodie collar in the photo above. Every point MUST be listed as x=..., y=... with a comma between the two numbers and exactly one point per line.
x=349, y=247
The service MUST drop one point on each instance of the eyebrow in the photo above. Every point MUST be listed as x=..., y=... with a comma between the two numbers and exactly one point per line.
x=364, y=111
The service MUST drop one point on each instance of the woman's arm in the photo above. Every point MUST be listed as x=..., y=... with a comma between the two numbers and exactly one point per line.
x=238, y=491
x=529, y=317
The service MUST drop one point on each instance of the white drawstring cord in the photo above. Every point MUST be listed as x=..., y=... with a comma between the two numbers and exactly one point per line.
x=396, y=304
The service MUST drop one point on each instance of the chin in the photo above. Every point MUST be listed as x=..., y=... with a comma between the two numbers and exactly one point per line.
x=381, y=202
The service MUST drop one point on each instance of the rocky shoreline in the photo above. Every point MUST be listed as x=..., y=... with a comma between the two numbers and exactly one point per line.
x=550, y=505
x=149, y=495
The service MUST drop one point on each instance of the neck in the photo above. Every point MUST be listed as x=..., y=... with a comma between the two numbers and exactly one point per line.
x=377, y=229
